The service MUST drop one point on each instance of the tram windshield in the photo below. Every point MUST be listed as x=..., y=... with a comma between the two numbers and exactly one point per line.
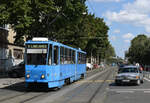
x=36, y=54
x=36, y=59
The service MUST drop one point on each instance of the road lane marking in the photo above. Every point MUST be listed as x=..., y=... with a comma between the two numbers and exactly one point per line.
x=147, y=79
x=94, y=81
x=124, y=91
x=129, y=89
x=146, y=91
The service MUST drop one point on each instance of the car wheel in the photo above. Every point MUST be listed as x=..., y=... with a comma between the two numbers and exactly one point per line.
x=118, y=84
x=138, y=82
x=142, y=81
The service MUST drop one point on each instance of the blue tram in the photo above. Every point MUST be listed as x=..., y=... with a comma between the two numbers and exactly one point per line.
x=52, y=63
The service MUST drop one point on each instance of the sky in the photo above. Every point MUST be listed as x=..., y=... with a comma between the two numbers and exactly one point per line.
x=126, y=19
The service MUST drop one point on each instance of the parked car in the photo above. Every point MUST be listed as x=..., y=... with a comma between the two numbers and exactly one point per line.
x=129, y=74
x=89, y=66
x=96, y=66
x=17, y=70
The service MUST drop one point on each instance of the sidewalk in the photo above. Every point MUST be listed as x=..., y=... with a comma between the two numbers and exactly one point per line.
x=4, y=82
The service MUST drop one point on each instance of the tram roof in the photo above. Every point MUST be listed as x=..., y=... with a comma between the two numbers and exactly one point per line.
x=54, y=43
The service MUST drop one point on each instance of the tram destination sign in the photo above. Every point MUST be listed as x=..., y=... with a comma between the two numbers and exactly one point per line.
x=38, y=46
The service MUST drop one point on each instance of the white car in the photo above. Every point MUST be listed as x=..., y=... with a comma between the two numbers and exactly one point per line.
x=89, y=66
x=129, y=74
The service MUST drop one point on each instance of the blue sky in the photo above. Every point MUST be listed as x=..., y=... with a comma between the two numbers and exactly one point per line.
x=125, y=18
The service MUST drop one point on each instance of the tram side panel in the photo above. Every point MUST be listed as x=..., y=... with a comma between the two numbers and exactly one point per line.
x=54, y=77
x=67, y=71
x=81, y=69
x=81, y=66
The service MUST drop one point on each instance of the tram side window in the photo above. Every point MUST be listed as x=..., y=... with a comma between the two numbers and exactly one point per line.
x=73, y=57
x=50, y=55
x=55, y=55
x=62, y=55
x=69, y=57
x=79, y=58
x=83, y=58
x=65, y=56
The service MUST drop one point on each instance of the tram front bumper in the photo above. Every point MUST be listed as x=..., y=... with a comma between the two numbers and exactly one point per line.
x=38, y=81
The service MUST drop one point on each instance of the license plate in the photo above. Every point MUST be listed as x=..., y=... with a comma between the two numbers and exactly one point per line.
x=126, y=80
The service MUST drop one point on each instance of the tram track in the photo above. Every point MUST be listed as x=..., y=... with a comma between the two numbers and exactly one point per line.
x=80, y=90
x=32, y=98
x=46, y=94
x=8, y=98
x=99, y=88
x=25, y=96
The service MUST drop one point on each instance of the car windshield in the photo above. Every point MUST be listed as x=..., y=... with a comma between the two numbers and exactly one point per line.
x=127, y=70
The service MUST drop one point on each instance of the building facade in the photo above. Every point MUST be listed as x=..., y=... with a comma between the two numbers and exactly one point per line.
x=10, y=54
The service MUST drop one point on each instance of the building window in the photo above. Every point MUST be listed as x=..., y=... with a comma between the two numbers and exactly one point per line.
x=5, y=26
x=18, y=54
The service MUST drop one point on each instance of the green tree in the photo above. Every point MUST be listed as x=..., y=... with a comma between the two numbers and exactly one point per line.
x=138, y=49
x=48, y=18
x=61, y=20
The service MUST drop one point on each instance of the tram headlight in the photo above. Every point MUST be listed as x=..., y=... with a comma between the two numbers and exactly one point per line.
x=28, y=76
x=43, y=76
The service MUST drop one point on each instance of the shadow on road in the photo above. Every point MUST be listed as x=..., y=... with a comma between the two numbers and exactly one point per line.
x=20, y=87
x=16, y=87
x=123, y=84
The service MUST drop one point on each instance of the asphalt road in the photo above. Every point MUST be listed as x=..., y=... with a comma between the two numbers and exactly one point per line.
x=128, y=93
x=97, y=87
x=16, y=93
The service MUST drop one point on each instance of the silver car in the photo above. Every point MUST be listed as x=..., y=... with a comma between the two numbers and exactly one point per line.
x=129, y=74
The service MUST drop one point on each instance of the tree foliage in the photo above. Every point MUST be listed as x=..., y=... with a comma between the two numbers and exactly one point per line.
x=139, y=51
x=66, y=21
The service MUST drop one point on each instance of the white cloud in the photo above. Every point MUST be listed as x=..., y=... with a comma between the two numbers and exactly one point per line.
x=128, y=36
x=116, y=31
x=136, y=13
x=125, y=16
x=140, y=6
x=108, y=23
x=106, y=0
x=127, y=41
x=113, y=38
